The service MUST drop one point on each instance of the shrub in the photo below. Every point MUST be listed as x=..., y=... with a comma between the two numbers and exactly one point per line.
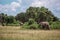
x=31, y=21
x=12, y=24
x=39, y=26
x=16, y=22
x=25, y=25
x=55, y=25
x=31, y=24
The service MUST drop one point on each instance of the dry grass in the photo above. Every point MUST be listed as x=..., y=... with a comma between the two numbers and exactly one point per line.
x=14, y=33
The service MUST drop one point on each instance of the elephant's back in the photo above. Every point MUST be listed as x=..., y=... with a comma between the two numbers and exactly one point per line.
x=44, y=23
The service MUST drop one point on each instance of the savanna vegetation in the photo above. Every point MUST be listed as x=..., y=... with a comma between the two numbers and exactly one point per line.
x=25, y=25
x=31, y=18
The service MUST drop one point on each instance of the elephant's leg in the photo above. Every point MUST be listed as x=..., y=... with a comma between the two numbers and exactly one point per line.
x=47, y=27
x=43, y=27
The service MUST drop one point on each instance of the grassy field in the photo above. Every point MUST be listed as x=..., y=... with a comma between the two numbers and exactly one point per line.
x=14, y=33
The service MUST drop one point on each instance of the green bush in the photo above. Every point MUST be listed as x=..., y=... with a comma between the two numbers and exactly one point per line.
x=16, y=22
x=31, y=21
x=55, y=25
x=12, y=24
x=31, y=24
x=25, y=25
x=34, y=25
x=39, y=26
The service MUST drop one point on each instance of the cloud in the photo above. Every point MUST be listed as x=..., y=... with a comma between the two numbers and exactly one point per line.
x=37, y=3
x=14, y=5
x=20, y=1
x=9, y=7
x=53, y=5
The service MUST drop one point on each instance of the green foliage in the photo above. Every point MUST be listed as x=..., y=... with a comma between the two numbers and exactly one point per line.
x=40, y=14
x=9, y=19
x=31, y=21
x=15, y=23
x=12, y=24
x=55, y=25
x=30, y=18
x=21, y=17
x=31, y=24
x=2, y=18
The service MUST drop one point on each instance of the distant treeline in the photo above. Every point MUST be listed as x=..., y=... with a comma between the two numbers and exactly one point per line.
x=38, y=14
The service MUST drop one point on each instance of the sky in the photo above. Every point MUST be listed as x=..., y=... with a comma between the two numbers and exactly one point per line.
x=13, y=7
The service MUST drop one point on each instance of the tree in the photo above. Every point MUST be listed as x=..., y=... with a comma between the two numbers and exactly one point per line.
x=40, y=14
x=9, y=19
x=2, y=18
x=55, y=19
x=21, y=17
x=31, y=12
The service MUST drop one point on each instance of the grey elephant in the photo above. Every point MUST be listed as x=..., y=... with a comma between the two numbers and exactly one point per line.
x=21, y=23
x=45, y=25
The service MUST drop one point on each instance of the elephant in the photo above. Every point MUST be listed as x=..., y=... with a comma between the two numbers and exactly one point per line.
x=21, y=23
x=45, y=25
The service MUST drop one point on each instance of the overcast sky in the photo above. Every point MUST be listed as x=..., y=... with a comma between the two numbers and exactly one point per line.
x=12, y=7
